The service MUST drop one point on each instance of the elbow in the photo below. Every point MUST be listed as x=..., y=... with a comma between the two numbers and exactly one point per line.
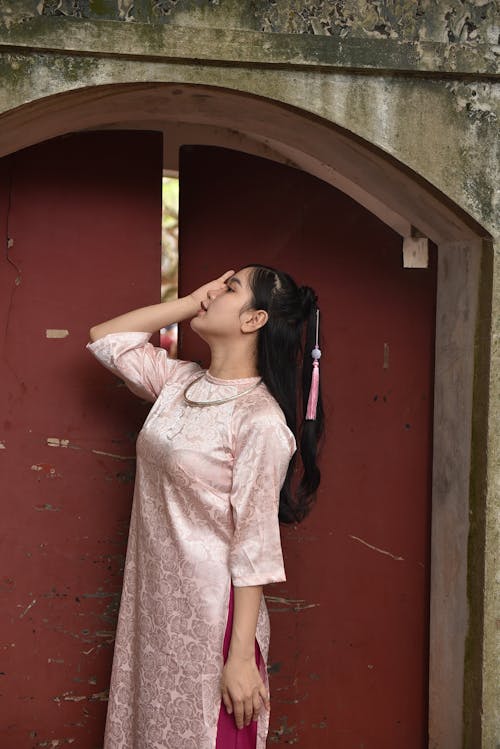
x=93, y=334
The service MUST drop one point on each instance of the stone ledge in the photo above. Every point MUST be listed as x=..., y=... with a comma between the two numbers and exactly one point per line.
x=168, y=42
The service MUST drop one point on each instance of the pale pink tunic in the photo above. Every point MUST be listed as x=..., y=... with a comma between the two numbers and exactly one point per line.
x=205, y=512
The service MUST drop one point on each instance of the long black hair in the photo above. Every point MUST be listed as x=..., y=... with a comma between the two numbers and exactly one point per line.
x=284, y=359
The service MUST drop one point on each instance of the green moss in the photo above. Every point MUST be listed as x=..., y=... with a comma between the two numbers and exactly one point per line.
x=75, y=69
x=99, y=7
x=15, y=70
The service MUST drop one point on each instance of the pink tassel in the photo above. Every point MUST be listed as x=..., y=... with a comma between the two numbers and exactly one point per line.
x=312, y=402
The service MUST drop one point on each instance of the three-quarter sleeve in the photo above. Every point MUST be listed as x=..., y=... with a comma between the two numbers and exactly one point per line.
x=264, y=447
x=144, y=368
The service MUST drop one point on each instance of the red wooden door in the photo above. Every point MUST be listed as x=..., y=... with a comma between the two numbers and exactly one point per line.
x=84, y=216
x=349, y=645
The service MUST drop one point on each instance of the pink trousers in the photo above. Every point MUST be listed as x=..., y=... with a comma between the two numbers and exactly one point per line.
x=228, y=736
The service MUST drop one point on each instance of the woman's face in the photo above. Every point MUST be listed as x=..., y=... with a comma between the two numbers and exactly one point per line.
x=224, y=306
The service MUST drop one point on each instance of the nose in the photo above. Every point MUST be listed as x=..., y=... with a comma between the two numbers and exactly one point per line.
x=212, y=293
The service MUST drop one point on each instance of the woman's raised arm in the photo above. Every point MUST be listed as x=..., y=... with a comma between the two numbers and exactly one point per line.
x=156, y=316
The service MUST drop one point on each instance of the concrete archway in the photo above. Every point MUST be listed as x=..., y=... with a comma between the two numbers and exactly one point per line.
x=189, y=113
x=253, y=124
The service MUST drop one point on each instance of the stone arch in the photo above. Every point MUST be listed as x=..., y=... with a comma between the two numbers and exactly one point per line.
x=259, y=125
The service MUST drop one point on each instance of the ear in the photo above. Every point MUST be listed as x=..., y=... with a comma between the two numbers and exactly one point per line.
x=253, y=320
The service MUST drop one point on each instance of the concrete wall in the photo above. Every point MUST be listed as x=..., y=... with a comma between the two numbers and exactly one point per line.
x=410, y=87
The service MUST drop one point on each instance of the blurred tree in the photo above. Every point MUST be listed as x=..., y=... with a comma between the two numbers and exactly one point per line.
x=170, y=256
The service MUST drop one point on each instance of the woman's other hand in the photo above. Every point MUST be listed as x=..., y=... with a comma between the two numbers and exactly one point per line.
x=243, y=691
x=217, y=284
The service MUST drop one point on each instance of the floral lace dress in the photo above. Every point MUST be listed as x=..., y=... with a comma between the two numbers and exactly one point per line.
x=204, y=514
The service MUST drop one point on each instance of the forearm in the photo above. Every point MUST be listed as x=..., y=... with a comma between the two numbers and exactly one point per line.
x=148, y=319
x=246, y=611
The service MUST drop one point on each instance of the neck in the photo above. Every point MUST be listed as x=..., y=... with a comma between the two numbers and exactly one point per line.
x=232, y=362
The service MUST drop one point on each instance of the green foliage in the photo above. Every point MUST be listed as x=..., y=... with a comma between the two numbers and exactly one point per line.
x=170, y=238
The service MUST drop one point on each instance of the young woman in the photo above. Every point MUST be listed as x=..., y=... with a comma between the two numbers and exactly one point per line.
x=215, y=459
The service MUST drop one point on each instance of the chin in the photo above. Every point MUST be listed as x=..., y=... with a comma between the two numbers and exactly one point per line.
x=194, y=327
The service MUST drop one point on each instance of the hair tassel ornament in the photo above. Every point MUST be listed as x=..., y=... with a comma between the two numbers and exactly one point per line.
x=312, y=402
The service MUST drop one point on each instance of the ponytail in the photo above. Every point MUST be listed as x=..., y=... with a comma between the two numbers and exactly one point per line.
x=284, y=361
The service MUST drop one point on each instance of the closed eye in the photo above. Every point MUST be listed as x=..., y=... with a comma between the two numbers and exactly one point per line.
x=230, y=283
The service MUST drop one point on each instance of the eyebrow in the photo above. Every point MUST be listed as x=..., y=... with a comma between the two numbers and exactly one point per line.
x=233, y=279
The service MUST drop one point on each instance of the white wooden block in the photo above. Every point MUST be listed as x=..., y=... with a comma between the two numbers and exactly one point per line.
x=56, y=333
x=415, y=252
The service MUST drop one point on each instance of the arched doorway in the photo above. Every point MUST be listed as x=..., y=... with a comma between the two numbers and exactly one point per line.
x=203, y=114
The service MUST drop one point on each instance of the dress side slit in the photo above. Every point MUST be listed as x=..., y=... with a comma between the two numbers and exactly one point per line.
x=228, y=736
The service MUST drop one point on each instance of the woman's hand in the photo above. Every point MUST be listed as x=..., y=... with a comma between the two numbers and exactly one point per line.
x=157, y=316
x=243, y=691
x=200, y=294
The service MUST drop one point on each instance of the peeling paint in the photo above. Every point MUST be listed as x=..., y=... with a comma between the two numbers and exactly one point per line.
x=289, y=604
x=56, y=333
x=98, y=594
x=70, y=697
x=56, y=442
x=386, y=356
x=375, y=548
x=114, y=455
x=48, y=507
x=109, y=641
x=284, y=731
x=48, y=469
x=100, y=696
x=2, y=445
x=27, y=608
x=126, y=477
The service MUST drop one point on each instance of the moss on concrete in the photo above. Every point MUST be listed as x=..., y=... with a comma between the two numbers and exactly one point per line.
x=474, y=22
x=473, y=664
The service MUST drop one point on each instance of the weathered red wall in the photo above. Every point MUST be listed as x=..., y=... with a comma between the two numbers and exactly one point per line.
x=84, y=213
x=349, y=645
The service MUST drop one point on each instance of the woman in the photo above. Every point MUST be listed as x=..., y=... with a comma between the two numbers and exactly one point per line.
x=215, y=459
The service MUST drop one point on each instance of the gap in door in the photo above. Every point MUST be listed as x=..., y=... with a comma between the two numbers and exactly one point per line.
x=170, y=254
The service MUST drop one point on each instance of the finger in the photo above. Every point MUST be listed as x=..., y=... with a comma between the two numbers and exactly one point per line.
x=238, y=713
x=257, y=704
x=226, y=699
x=226, y=275
x=248, y=708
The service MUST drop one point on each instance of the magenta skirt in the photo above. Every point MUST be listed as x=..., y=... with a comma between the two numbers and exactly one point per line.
x=228, y=736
